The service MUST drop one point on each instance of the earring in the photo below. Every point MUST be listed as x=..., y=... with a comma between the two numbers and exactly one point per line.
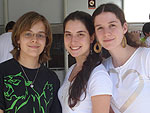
x=97, y=47
x=18, y=48
x=124, y=42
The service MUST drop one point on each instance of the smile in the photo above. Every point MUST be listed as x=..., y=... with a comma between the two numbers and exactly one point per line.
x=34, y=46
x=108, y=40
x=75, y=48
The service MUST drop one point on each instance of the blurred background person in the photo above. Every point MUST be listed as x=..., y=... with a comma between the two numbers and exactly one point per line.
x=146, y=32
x=6, y=42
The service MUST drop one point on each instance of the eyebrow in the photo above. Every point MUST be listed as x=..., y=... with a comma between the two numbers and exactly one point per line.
x=108, y=22
x=77, y=32
x=38, y=32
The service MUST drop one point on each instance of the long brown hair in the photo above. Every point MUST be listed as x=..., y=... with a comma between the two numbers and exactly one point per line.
x=79, y=85
x=113, y=8
x=25, y=22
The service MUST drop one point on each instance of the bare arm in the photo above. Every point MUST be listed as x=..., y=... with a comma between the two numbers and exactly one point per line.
x=1, y=111
x=101, y=104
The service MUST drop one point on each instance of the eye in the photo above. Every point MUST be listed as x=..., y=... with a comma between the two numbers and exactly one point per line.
x=28, y=34
x=67, y=35
x=80, y=35
x=40, y=35
x=112, y=25
x=99, y=28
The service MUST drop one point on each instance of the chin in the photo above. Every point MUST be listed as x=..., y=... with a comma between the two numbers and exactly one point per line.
x=74, y=55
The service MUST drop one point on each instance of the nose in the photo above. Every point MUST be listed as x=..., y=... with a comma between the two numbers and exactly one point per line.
x=34, y=38
x=107, y=31
x=74, y=39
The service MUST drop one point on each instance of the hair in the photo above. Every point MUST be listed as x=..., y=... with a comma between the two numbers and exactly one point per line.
x=118, y=12
x=9, y=26
x=24, y=23
x=79, y=84
x=146, y=28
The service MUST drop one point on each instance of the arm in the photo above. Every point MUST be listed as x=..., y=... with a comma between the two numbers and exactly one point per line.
x=56, y=106
x=101, y=103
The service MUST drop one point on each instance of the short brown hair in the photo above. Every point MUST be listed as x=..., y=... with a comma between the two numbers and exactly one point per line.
x=24, y=23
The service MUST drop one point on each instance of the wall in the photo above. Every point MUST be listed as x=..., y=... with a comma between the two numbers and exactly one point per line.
x=1, y=17
x=1, y=12
x=51, y=9
x=82, y=5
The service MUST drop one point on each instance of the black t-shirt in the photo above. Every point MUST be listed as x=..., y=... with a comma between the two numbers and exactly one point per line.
x=16, y=95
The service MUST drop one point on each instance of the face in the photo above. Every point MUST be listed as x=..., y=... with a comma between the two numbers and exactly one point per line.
x=77, y=39
x=109, y=30
x=32, y=42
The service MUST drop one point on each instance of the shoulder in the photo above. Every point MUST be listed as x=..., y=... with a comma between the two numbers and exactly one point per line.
x=8, y=63
x=144, y=54
x=143, y=51
x=4, y=35
x=99, y=71
x=99, y=68
x=5, y=38
x=99, y=82
x=107, y=62
x=50, y=74
x=9, y=67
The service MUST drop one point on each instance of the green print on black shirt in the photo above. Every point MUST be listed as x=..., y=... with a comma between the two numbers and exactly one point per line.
x=18, y=99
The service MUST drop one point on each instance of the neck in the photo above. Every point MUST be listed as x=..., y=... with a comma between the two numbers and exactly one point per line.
x=80, y=60
x=29, y=63
x=79, y=63
x=121, y=55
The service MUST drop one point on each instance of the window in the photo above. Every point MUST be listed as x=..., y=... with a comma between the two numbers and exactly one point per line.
x=137, y=11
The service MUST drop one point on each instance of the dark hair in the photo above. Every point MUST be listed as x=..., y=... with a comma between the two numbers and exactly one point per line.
x=79, y=84
x=113, y=8
x=24, y=23
x=9, y=26
x=146, y=28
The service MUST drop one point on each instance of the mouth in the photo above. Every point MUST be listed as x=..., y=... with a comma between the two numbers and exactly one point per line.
x=34, y=47
x=75, y=48
x=108, y=40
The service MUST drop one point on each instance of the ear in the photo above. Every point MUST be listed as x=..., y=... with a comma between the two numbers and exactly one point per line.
x=125, y=27
x=18, y=42
x=92, y=38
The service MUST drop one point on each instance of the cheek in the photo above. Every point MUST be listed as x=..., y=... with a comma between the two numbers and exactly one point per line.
x=66, y=45
x=98, y=37
x=43, y=43
x=66, y=41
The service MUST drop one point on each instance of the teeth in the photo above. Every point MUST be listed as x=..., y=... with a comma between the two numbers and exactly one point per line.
x=75, y=48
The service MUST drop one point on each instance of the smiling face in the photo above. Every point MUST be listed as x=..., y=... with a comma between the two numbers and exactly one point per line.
x=109, y=30
x=32, y=42
x=77, y=39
